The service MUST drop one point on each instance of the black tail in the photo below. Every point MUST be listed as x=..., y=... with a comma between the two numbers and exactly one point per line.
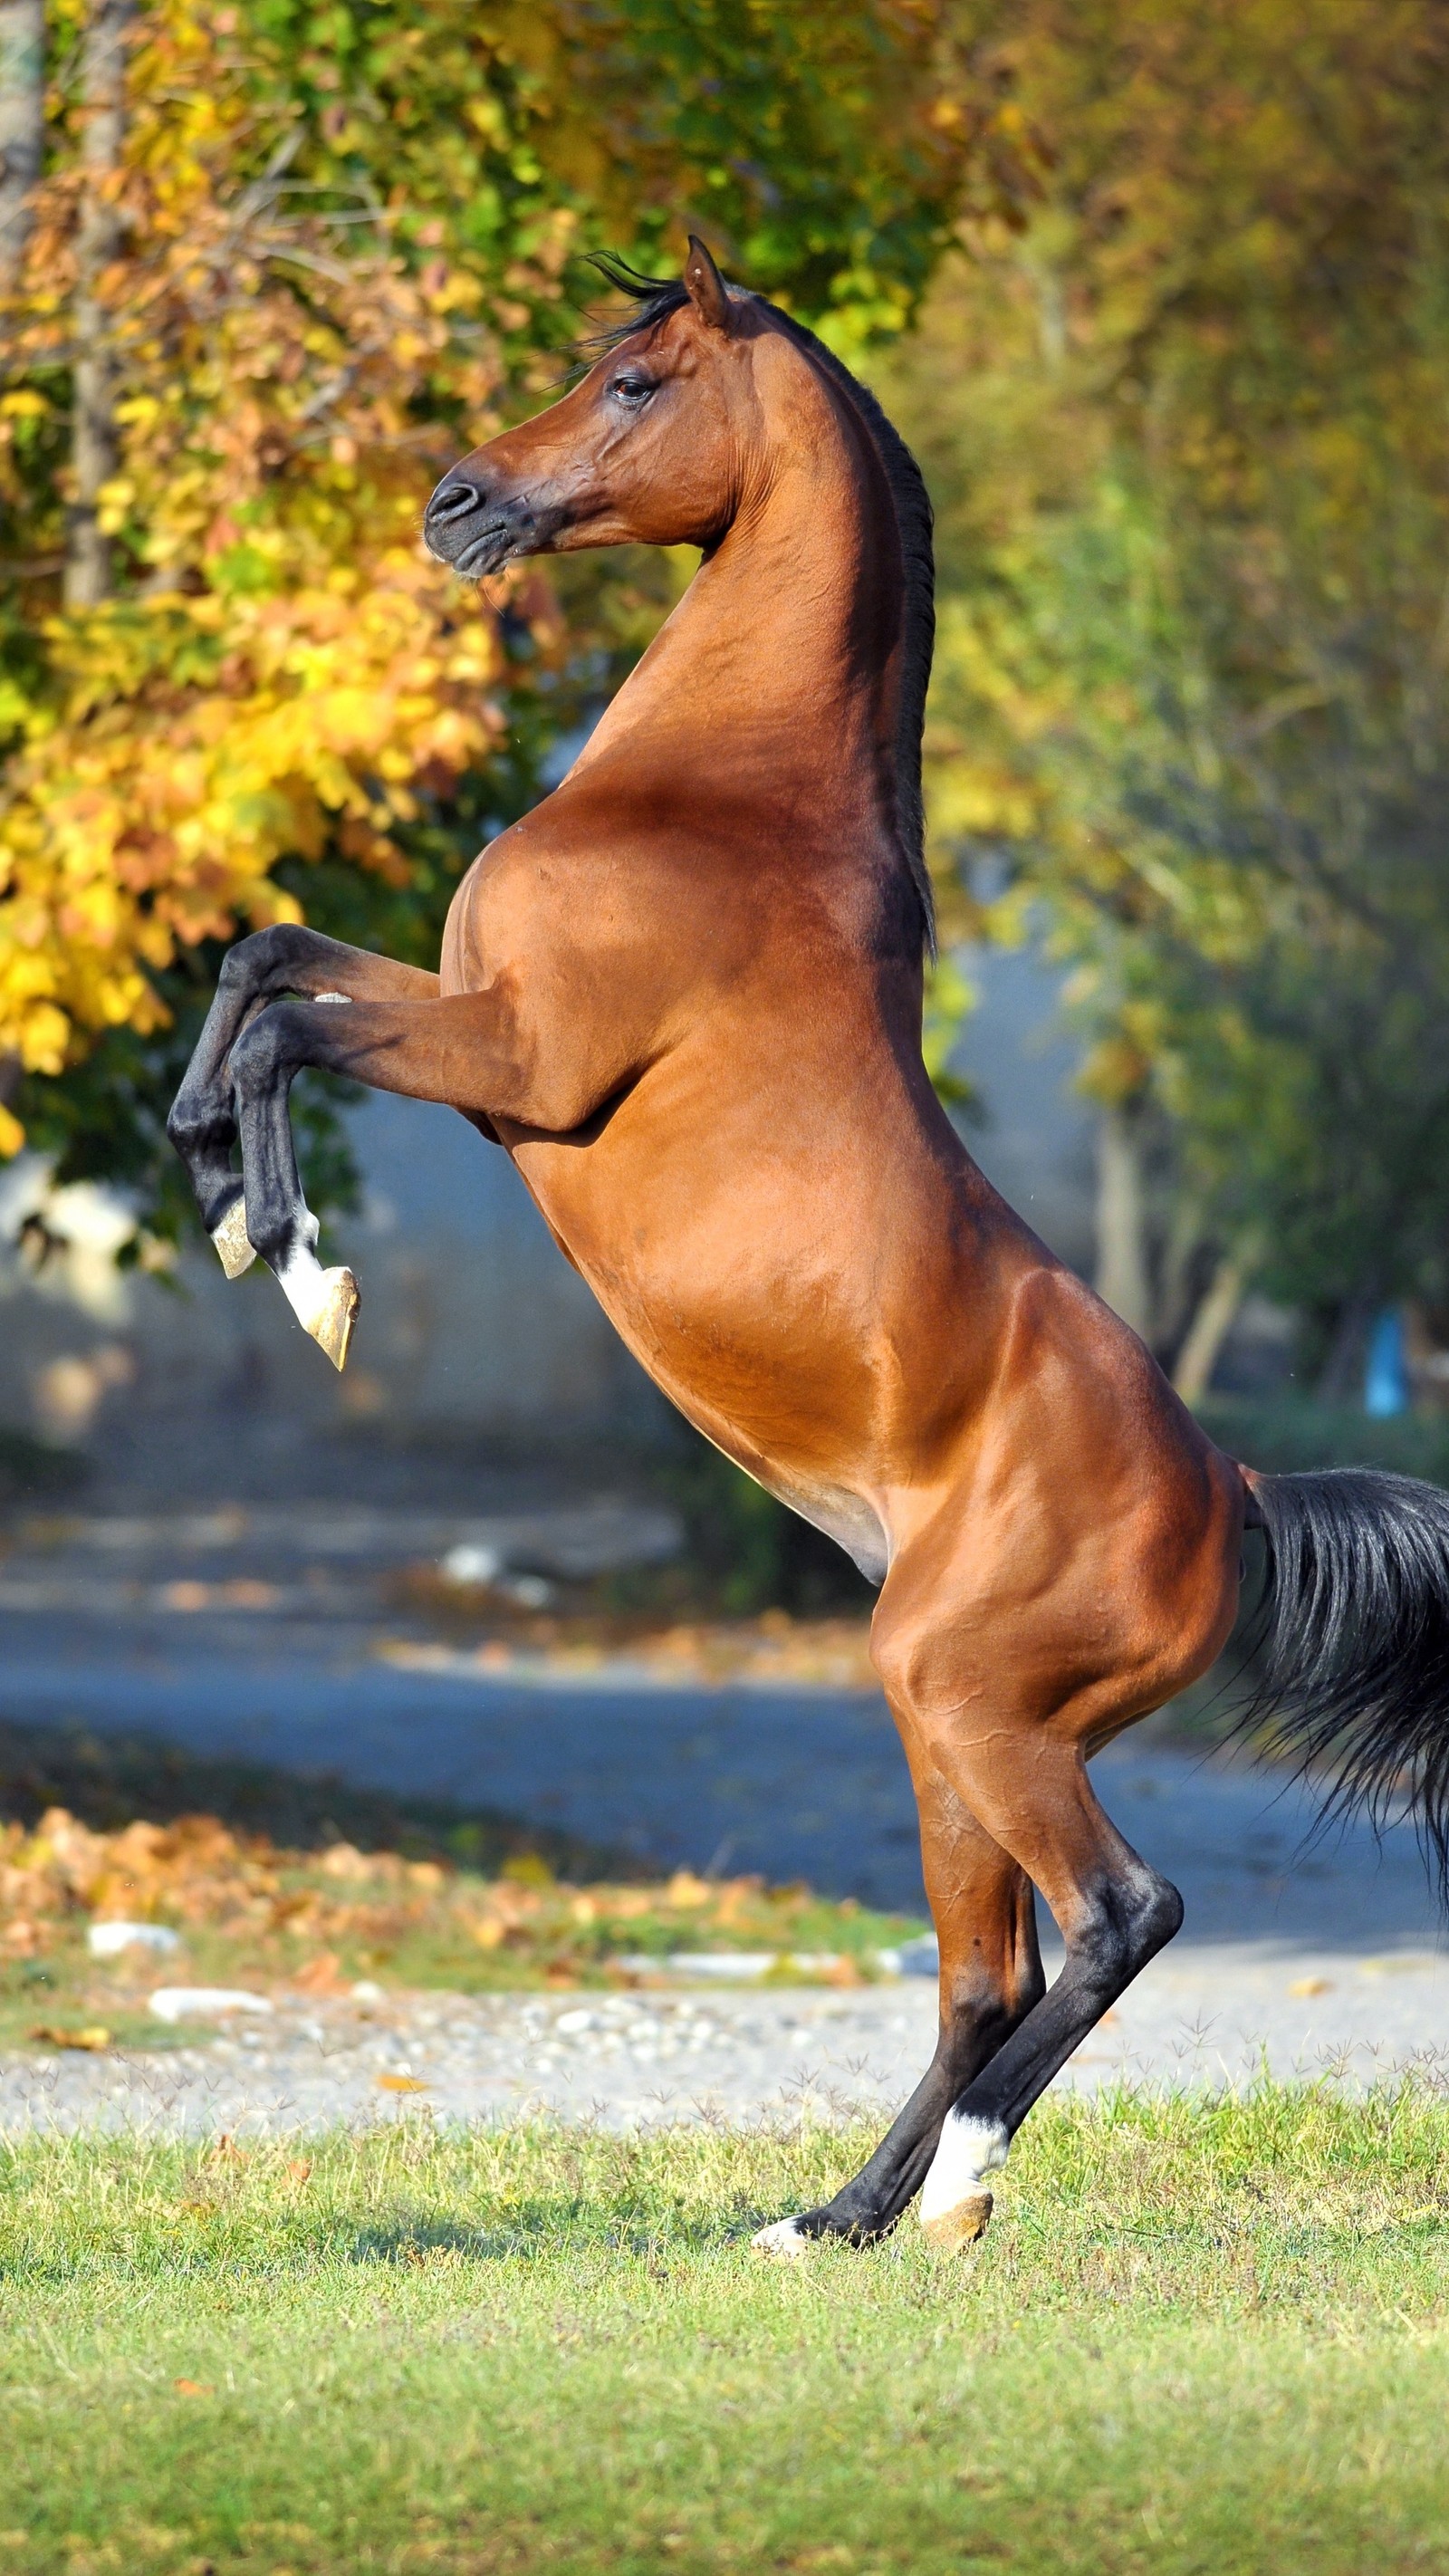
x=1354, y=1633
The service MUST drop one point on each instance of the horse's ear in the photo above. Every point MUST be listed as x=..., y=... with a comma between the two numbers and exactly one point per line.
x=705, y=286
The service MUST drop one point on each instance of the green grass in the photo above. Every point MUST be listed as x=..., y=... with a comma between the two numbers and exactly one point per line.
x=1200, y=2336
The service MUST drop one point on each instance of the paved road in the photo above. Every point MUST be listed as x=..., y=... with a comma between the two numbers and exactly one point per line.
x=117, y=1625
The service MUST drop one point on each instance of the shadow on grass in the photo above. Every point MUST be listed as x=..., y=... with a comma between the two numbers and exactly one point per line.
x=405, y=2241
x=539, y=2228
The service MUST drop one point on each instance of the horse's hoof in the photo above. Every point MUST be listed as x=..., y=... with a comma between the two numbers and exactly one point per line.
x=784, y=2242
x=952, y=2229
x=331, y=1327
x=234, y=1250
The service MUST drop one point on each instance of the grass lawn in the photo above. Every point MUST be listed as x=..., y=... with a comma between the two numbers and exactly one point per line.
x=1198, y=2337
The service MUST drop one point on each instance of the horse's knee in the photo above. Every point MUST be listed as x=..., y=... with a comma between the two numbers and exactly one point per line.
x=260, y=962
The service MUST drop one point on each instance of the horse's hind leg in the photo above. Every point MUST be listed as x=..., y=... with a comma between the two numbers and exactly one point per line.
x=1030, y=1787
x=202, y=1126
x=991, y=1976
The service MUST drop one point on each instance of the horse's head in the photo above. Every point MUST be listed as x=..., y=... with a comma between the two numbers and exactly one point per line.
x=649, y=449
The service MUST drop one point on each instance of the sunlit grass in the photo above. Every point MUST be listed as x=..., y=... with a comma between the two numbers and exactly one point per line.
x=1199, y=2336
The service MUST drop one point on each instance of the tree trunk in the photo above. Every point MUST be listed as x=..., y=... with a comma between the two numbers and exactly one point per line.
x=1214, y=1319
x=1178, y=1277
x=94, y=451
x=1343, y=1368
x=22, y=125
x=1122, y=1272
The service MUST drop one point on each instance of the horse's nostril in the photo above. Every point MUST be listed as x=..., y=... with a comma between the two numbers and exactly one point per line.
x=453, y=499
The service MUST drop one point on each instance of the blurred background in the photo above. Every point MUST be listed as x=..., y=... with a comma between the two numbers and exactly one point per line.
x=1159, y=293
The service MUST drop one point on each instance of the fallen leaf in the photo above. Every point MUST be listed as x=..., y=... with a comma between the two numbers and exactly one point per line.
x=1311, y=1986
x=299, y=2170
x=685, y=1889
x=402, y=2084
x=192, y=2388
x=321, y=1976
x=94, y=2037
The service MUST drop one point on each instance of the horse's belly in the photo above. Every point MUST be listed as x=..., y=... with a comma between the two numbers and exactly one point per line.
x=848, y=1518
x=761, y=1400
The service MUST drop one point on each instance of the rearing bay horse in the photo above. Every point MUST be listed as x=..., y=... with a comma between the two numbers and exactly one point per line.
x=684, y=995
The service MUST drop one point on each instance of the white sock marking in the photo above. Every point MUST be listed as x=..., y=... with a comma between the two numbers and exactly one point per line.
x=308, y=1286
x=785, y=2240
x=970, y=2149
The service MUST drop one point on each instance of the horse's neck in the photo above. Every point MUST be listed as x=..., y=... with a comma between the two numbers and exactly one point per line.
x=780, y=659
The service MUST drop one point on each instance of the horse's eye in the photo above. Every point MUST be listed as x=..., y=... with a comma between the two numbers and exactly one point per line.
x=633, y=389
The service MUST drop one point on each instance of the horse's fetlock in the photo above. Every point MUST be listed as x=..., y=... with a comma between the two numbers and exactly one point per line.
x=189, y=1128
x=203, y=1138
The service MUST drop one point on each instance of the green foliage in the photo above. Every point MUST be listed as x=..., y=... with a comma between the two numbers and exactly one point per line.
x=1290, y=1434
x=1193, y=522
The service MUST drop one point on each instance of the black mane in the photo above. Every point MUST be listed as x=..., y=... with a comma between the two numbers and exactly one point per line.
x=654, y=299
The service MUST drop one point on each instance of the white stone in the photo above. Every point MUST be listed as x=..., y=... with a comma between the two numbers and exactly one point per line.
x=108, y=1940
x=177, y=2003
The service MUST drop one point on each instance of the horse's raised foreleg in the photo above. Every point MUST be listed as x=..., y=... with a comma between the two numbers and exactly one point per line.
x=203, y=1126
x=460, y=1049
x=991, y=1975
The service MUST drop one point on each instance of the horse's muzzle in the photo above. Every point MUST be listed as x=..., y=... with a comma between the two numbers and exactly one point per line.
x=474, y=531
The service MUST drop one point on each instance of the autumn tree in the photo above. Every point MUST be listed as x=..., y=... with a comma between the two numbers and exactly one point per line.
x=281, y=262
x=1186, y=430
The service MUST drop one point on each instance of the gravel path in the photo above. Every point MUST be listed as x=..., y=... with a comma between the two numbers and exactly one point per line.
x=1207, y=2015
